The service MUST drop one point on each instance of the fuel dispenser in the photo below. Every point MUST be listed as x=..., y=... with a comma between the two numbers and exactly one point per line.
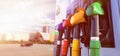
x=60, y=29
x=95, y=9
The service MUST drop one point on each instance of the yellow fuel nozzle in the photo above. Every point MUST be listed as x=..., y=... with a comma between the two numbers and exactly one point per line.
x=78, y=17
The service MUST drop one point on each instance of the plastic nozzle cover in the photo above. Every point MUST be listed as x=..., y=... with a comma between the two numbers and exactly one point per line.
x=78, y=17
x=67, y=23
x=65, y=47
x=95, y=9
x=76, y=47
x=60, y=26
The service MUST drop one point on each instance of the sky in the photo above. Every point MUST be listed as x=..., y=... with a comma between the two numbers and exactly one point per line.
x=23, y=15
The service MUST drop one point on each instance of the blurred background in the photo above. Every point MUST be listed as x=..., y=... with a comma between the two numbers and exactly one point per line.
x=21, y=22
x=20, y=18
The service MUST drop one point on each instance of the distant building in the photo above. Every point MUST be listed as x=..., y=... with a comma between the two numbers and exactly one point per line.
x=3, y=37
x=14, y=36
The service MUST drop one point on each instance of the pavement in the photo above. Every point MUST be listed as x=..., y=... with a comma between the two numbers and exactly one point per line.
x=17, y=50
x=47, y=50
